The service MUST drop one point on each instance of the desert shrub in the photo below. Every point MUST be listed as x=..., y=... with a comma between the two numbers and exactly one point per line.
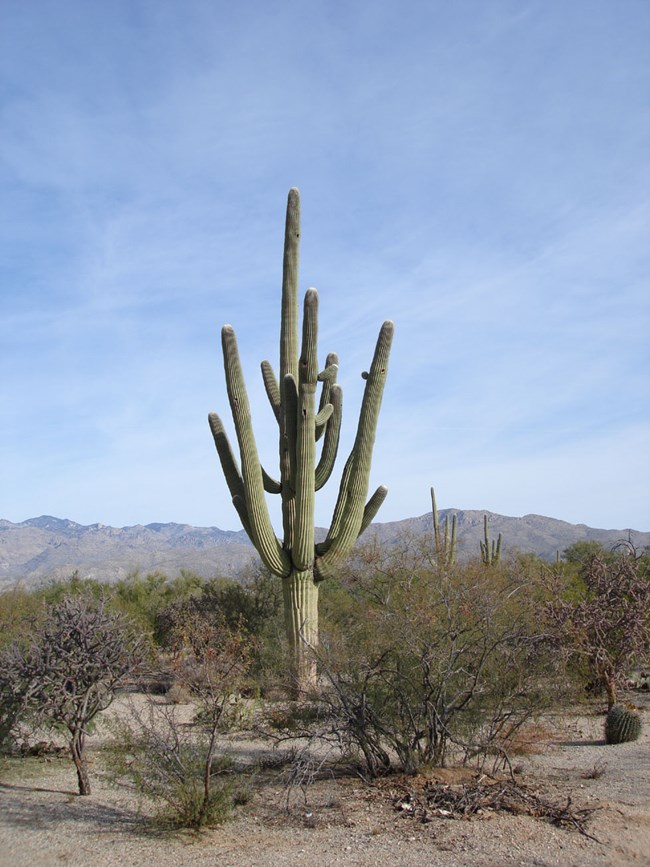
x=19, y=609
x=606, y=628
x=57, y=590
x=425, y=659
x=164, y=759
x=182, y=767
x=68, y=672
x=252, y=610
x=11, y=711
x=143, y=597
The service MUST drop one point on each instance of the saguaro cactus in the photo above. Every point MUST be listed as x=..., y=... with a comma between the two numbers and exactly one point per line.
x=490, y=553
x=296, y=559
x=444, y=544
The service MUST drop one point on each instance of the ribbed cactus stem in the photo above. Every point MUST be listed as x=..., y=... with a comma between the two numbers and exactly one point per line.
x=331, y=439
x=622, y=724
x=300, y=597
x=289, y=317
x=351, y=503
x=272, y=388
x=262, y=535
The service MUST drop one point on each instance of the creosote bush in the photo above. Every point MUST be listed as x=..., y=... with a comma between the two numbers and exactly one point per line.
x=179, y=765
x=165, y=761
x=418, y=661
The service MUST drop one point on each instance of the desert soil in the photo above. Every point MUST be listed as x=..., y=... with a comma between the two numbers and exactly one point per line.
x=44, y=822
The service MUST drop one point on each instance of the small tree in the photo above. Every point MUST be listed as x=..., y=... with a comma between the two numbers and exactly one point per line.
x=70, y=671
x=610, y=624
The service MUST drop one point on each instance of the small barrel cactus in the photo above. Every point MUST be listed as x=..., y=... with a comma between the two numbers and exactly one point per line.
x=623, y=724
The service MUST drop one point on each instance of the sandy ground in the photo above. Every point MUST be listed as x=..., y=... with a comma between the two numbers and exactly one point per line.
x=343, y=821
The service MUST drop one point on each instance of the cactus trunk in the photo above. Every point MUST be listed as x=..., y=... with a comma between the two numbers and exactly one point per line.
x=300, y=595
x=302, y=421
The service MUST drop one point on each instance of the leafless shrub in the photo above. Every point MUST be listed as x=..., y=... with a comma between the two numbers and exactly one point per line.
x=69, y=672
x=609, y=624
x=596, y=772
x=181, y=765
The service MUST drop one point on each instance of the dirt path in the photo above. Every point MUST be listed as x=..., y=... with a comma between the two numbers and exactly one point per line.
x=343, y=822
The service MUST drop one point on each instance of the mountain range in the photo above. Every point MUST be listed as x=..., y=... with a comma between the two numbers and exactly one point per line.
x=47, y=548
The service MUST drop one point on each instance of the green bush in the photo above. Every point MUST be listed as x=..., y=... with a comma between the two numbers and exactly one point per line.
x=165, y=763
x=182, y=767
x=425, y=659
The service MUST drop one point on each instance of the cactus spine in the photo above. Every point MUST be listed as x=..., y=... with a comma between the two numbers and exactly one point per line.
x=490, y=552
x=622, y=724
x=444, y=542
x=296, y=559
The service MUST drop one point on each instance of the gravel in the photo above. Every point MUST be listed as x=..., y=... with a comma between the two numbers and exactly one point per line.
x=343, y=821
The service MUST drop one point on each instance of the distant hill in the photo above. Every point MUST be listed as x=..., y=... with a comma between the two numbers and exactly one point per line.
x=46, y=548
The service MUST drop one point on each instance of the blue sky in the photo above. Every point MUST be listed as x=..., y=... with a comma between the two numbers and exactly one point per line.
x=476, y=171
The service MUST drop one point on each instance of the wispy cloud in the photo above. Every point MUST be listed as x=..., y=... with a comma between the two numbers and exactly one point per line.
x=478, y=173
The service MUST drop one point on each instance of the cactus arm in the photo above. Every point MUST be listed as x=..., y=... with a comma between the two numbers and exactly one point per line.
x=436, y=525
x=289, y=365
x=444, y=543
x=325, y=567
x=289, y=317
x=308, y=364
x=262, y=535
x=339, y=509
x=271, y=486
x=452, y=550
x=288, y=436
x=331, y=439
x=329, y=372
x=303, y=538
x=240, y=504
x=272, y=388
x=490, y=553
x=372, y=507
x=328, y=378
x=324, y=415
x=228, y=461
x=354, y=485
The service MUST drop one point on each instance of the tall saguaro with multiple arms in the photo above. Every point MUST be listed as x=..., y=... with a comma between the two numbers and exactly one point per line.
x=296, y=559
